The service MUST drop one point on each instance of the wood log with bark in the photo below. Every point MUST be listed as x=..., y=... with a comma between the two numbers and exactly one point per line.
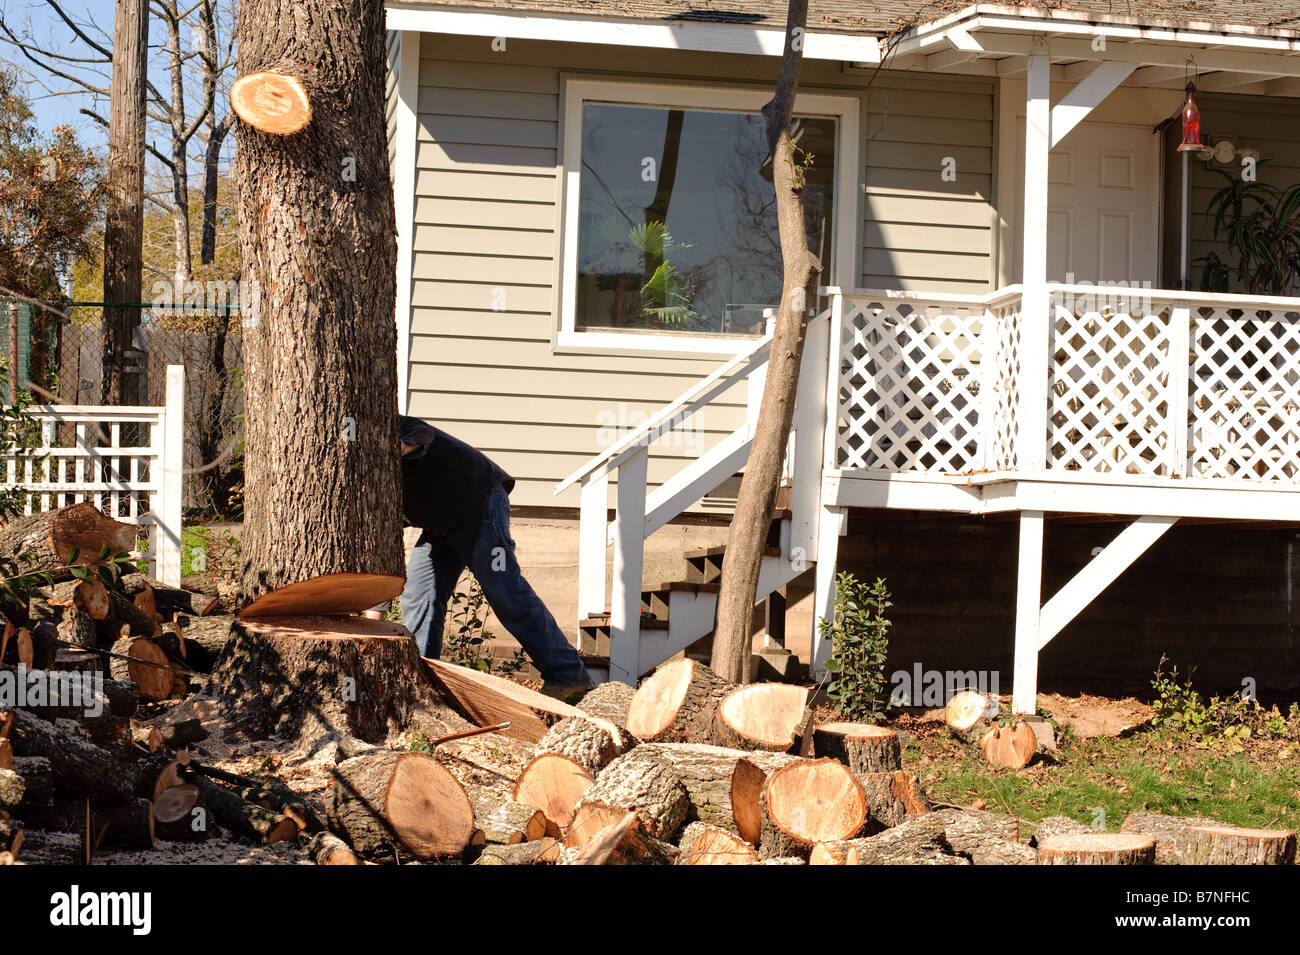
x=37, y=805
x=648, y=788
x=861, y=747
x=504, y=821
x=140, y=661
x=239, y=816
x=124, y=825
x=969, y=715
x=555, y=785
x=77, y=765
x=391, y=803
x=1232, y=845
x=313, y=678
x=892, y=797
x=169, y=601
x=677, y=703
x=88, y=596
x=179, y=813
x=610, y=702
x=328, y=849
x=708, y=845
x=614, y=837
x=1167, y=830
x=1097, y=848
x=123, y=618
x=48, y=539
x=589, y=744
x=544, y=851
x=12, y=789
x=748, y=778
x=768, y=716
x=809, y=802
x=204, y=639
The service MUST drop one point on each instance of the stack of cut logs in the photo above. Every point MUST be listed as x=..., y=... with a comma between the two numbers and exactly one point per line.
x=692, y=770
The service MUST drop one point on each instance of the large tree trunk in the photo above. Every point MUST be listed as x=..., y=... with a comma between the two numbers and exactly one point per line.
x=124, y=215
x=317, y=234
x=757, y=499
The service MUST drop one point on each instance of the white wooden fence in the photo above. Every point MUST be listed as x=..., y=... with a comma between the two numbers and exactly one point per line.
x=126, y=460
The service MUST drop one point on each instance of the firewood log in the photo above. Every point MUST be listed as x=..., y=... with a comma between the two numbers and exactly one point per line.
x=44, y=636
x=701, y=844
x=393, y=801
x=182, y=733
x=504, y=821
x=78, y=766
x=677, y=703
x=73, y=660
x=328, y=849
x=69, y=623
x=768, y=716
x=861, y=747
x=748, y=777
x=1167, y=831
x=37, y=805
x=554, y=784
x=48, y=538
x=90, y=597
x=43, y=847
x=125, y=825
x=609, y=701
x=11, y=834
x=809, y=802
x=243, y=818
x=920, y=840
x=179, y=814
x=544, y=851
x=620, y=842
x=149, y=668
x=12, y=789
x=892, y=797
x=204, y=639
x=647, y=788
x=1009, y=747
x=122, y=616
x=969, y=715
x=589, y=744
x=1230, y=845
x=170, y=600
x=1097, y=848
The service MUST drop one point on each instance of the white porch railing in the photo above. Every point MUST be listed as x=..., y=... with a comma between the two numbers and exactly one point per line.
x=82, y=457
x=1159, y=384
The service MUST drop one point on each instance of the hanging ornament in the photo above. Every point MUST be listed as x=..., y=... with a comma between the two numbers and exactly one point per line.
x=1191, y=123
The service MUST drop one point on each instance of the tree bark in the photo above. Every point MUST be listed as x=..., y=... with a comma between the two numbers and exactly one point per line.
x=78, y=766
x=588, y=744
x=318, y=236
x=709, y=845
x=124, y=212
x=861, y=747
x=756, y=501
x=646, y=787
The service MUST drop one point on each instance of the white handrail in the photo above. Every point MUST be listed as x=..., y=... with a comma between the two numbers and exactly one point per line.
x=674, y=413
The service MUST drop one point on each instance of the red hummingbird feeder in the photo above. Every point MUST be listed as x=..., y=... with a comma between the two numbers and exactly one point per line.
x=1191, y=123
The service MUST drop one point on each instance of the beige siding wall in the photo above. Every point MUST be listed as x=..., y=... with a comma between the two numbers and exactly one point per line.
x=486, y=243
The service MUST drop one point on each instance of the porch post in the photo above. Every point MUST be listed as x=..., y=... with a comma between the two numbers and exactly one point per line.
x=1029, y=585
x=833, y=523
x=1035, y=311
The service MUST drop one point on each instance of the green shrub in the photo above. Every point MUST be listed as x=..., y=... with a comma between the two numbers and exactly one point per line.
x=859, y=635
x=1226, y=722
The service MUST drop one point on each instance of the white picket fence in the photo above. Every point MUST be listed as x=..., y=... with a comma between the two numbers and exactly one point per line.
x=82, y=457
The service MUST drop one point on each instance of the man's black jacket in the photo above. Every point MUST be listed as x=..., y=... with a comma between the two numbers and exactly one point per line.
x=445, y=483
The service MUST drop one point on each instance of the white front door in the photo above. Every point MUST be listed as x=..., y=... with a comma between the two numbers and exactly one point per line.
x=1103, y=218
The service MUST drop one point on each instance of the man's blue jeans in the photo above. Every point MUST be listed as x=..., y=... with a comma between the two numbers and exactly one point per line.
x=431, y=577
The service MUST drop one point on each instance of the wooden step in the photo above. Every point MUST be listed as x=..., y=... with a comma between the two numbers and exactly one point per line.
x=715, y=552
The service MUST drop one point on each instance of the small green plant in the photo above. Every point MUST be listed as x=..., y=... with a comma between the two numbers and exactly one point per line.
x=465, y=640
x=420, y=743
x=1227, y=722
x=859, y=635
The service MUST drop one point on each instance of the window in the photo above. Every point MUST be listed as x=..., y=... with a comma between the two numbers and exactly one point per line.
x=671, y=237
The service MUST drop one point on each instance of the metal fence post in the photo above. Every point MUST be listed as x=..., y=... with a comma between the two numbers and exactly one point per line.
x=167, y=543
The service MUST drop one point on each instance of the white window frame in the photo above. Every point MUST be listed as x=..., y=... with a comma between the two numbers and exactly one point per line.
x=843, y=109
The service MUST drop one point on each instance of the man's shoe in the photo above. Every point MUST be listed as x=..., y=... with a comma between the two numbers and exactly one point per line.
x=568, y=693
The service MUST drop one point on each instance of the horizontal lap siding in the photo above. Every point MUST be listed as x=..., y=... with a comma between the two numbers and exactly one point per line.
x=482, y=362
x=921, y=232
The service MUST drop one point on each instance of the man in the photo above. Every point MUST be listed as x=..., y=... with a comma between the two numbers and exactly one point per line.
x=460, y=501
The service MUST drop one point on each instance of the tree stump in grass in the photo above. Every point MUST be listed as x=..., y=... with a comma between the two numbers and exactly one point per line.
x=677, y=703
x=396, y=802
x=1097, y=848
x=1230, y=845
x=767, y=716
x=309, y=679
x=554, y=784
x=860, y=746
x=809, y=802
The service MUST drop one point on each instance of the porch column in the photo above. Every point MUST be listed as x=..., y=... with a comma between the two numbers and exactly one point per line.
x=1031, y=451
x=833, y=523
x=1029, y=588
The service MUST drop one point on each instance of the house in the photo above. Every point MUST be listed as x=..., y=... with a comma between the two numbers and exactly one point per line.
x=1002, y=355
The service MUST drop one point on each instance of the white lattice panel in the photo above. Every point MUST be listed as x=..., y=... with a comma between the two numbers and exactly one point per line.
x=1109, y=401
x=909, y=387
x=1245, y=403
x=1003, y=398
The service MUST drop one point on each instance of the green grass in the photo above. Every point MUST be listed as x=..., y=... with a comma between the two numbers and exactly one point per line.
x=1151, y=770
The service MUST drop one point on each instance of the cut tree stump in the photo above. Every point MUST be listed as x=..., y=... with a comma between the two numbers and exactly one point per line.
x=488, y=700
x=328, y=849
x=709, y=845
x=149, y=667
x=504, y=821
x=587, y=743
x=892, y=797
x=328, y=594
x=860, y=746
x=275, y=103
x=1168, y=831
x=174, y=813
x=49, y=538
x=1230, y=845
x=555, y=785
x=969, y=716
x=677, y=703
x=1097, y=848
x=311, y=679
x=396, y=802
x=768, y=716
x=1009, y=747
x=809, y=802
x=648, y=788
